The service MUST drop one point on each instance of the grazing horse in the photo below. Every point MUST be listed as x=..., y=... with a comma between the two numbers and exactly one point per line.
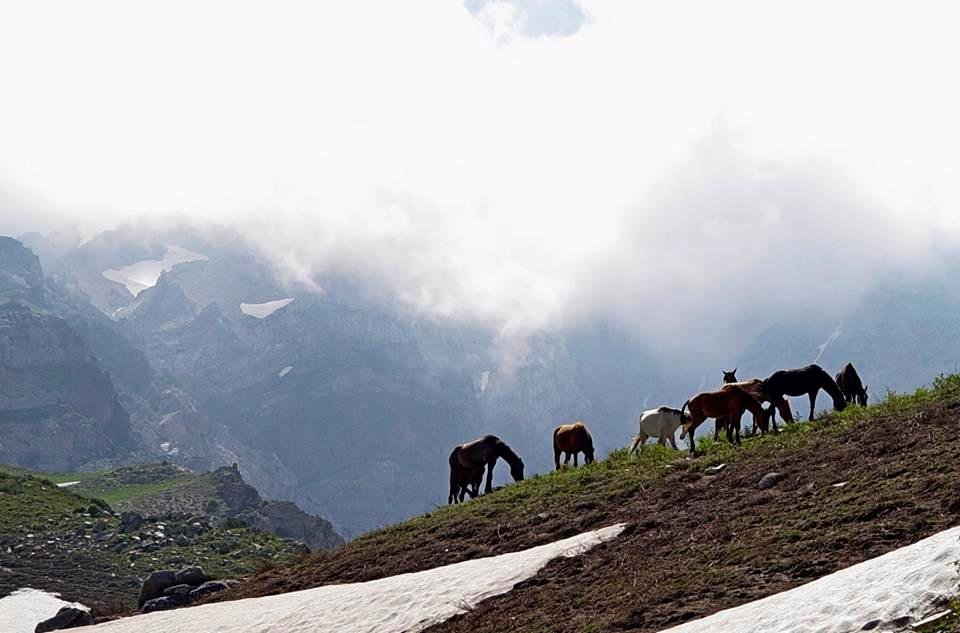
x=754, y=387
x=572, y=439
x=467, y=462
x=807, y=380
x=732, y=402
x=660, y=423
x=851, y=386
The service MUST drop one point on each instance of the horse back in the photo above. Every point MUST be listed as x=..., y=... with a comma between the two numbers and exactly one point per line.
x=571, y=436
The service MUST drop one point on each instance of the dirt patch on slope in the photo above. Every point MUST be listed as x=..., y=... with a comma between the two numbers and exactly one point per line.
x=696, y=543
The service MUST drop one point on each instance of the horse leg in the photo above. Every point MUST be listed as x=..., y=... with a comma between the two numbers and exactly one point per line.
x=735, y=422
x=673, y=441
x=813, y=402
x=576, y=454
x=489, y=486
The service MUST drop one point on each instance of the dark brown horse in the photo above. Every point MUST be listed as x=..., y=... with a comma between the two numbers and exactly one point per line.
x=807, y=380
x=468, y=461
x=851, y=386
x=572, y=439
x=731, y=401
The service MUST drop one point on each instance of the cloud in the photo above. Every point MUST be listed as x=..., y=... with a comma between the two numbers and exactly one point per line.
x=733, y=162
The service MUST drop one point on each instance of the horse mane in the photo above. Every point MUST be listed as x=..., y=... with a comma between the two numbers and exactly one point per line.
x=507, y=453
x=668, y=410
x=829, y=384
x=750, y=402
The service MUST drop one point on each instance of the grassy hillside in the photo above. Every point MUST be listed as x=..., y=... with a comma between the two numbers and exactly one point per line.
x=851, y=486
x=53, y=538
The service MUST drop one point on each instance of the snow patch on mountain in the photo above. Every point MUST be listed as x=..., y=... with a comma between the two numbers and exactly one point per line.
x=286, y=370
x=263, y=310
x=403, y=603
x=830, y=339
x=885, y=592
x=22, y=610
x=141, y=275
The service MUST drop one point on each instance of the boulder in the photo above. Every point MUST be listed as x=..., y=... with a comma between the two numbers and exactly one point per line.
x=191, y=576
x=154, y=586
x=66, y=618
x=169, y=591
x=130, y=522
x=212, y=586
x=166, y=602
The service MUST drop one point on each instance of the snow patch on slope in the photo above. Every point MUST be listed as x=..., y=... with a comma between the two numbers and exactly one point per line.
x=906, y=582
x=24, y=609
x=286, y=370
x=404, y=603
x=67, y=484
x=141, y=275
x=263, y=310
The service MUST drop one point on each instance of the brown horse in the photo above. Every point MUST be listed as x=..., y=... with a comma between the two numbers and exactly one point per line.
x=731, y=402
x=572, y=439
x=851, y=386
x=468, y=461
x=724, y=422
x=754, y=387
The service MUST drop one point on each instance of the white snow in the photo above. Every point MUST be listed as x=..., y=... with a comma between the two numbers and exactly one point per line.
x=286, y=370
x=24, y=609
x=909, y=581
x=141, y=275
x=67, y=484
x=263, y=310
x=830, y=339
x=403, y=603
x=484, y=381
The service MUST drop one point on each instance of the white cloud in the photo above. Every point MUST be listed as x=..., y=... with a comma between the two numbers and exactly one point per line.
x=494, y=178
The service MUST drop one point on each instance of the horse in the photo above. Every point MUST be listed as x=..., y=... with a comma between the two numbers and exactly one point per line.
x=732, y=402
x=851, y=386
x=723, y=422
x=467, y=462
x=754, y=387
x=807, y=380
x=572, y=439
x=660, y=423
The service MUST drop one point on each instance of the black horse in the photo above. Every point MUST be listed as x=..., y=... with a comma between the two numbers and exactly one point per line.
x=807, y=380
x=850, y=384
x=468, y=461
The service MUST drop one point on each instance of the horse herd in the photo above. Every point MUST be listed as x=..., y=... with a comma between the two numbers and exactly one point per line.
x=726, y=405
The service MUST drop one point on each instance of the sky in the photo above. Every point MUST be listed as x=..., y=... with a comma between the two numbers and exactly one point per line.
x=687, y=169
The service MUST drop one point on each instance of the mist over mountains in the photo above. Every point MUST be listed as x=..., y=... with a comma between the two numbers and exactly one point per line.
x=345, y=400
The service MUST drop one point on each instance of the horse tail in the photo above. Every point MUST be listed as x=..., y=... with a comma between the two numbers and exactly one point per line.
x=633, y=446
x=683, y=418
x=555, y=432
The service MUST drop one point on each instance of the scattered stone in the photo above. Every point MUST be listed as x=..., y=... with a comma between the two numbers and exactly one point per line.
x=130, y=522
x=872, y=624
x=840, y=485
x=713, y=470
x=191, y=576
x=66, y=618
x=211, y=586
x=154, y=586
x=769, y=480
x=166, y=602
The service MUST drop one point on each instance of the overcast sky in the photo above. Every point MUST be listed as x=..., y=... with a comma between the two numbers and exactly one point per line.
x=531, y=162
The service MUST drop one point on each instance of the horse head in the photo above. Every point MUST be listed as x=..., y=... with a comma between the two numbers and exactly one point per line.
x=728, y=377
x=862, y=397
x=516, y=471
x=839, y=404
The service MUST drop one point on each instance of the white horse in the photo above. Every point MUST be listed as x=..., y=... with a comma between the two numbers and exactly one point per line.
x=661, y=423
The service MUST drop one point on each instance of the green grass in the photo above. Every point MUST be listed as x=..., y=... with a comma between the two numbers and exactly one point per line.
x=621, y=474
